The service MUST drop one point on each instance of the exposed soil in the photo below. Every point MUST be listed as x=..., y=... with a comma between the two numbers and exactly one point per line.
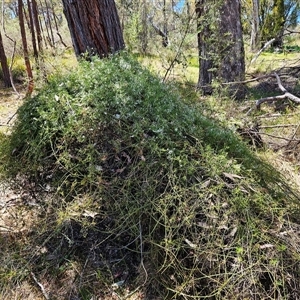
x=14, y=214
x=9, y=103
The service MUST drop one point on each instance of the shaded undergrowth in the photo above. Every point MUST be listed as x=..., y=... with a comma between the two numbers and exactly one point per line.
x=139, y=192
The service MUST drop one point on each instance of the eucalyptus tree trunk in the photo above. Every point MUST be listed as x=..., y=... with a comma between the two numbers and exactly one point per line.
x=143, y=35
x=205, y=47
x=25, y=49
x=37, y=25
x=165, y=41
x=94, y=26
x=255, y=35
x=232, y=66
x=32, y=30
x=220, y=42
x=48, y=24
x=4, y=65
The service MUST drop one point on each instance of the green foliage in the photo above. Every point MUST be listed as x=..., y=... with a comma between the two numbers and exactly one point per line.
x=276, y=16
x=168, y=188
x=132, y=32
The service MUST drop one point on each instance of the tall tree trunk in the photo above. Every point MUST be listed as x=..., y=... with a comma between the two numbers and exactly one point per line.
x=43, y=32
x=204, y=47
x=94, y=26
x=4, y=65
x=143, y=35
x=49, y=23
x=25, y=49
x=220, y=41
x=255, y=35
x=165, y=41
x=232, y=57
x=37, y=25
x=32, y=31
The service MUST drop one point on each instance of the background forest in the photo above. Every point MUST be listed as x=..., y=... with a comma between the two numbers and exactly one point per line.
x=166, y=29
x=149, y=149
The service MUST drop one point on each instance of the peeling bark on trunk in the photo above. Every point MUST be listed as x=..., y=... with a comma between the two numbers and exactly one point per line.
x=94, y=26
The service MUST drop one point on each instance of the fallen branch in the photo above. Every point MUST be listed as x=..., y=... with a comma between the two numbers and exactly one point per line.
x=241, y=81
x=279, y=126
x=266, y=45
x=291, y=31
x=11, y=118
x=160, y=32
x=275, y=98
x=280, y=137
x=247, y=80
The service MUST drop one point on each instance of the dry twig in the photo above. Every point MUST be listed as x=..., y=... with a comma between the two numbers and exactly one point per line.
x=45, y=294
x=279, y=137
x=293, y=136
x=279, y=126
x=267, y=44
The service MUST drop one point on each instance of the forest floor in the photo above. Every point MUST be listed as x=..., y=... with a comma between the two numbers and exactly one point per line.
x=15, y=215
x=20, y=213
x=9, y=103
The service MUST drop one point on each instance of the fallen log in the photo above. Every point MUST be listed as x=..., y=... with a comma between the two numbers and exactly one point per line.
x=286, y=94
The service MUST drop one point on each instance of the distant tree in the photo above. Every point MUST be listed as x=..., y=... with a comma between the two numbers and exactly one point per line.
x=25, y=48
x=4, y=65
x=37, y=25
x=279, y=21
x=94, y=26
x=55, y=18
x=255, y=31
x=274, y=23
x=32, y=29
x=275, y=17
x=220, y=41
x=205, y=45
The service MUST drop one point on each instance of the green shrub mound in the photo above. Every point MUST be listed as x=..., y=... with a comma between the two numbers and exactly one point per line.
x=151, y=195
